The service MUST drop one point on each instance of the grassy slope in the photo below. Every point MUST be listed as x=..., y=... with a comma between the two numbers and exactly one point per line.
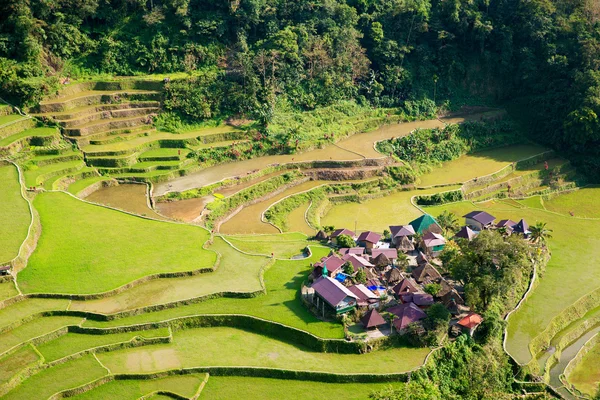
x=184, y=385
x=233, y=347
x=88, y=249
x=377, y=214
x=14, y=214
x=10, y=365
x=572, y=271
x=258, y=245
x=281, y=304
x=34, y=329
x=72, y=343
x=479, y=164
x=61, y=377
x=586, y=376
x=7, y=290
x=233, y=387
x=583, y=203
x=236, y=272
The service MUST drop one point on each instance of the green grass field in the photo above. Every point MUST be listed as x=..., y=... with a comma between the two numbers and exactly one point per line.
x=479, y=164
x=233, y=347
x=14, y=214
x=11, y=364
x=72, y=343
x=234, y=387
x=583, y=203
x=570, y=237
x=7, y=290
x=182, y=385
x=236, y=272
x=281, y=303
x=586, y=375
x=33, y=329
x=81, y=249
x=81, y=184
x=29, y=307
x=33, y=132
x=61, y=377
x=377, y=214
x=259, y=245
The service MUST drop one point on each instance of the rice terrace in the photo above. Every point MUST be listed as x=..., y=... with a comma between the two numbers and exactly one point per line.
x=385, y=200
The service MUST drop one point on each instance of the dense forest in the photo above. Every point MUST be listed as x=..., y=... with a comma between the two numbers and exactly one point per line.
x=538, y=58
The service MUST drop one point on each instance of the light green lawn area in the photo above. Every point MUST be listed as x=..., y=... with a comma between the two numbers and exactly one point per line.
x=33, y=175
x=14, y=214
x=479, y=164
x=28, y=307
x=235, y=387
x=296, y=221
x=85, y=248
x=7, y=119
x=575, y=246
x=7, y=290
x=281, y=303
x=183, y=385
x=236, y=272
x=586, y=375
x=275, y=238
x=33, y=329
x=377, y=214
x=72, y=343
x=583, y=203
x=52, y=380
x=33, y=132
x=224, y=346
x=11, y=364
x=532, y=202
x=280, y=249
x=224, y=143
x=81, y=184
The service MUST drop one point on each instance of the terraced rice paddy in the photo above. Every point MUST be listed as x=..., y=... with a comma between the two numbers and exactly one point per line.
x=586, y=376
x=355, y=147
x=236, y=272
x=14, y=213
x=583, y=203
x=181, y=385
x=377, y=214
x=479, y=164
x=127, y=197
x=249, y=219
x=233, y=347
x=296, y=221
x=81, y=248
x=225, y=388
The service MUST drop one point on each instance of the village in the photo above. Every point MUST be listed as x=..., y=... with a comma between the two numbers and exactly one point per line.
x=389, y=282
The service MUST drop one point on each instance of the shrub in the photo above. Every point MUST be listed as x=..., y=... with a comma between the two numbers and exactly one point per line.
x=345, y=241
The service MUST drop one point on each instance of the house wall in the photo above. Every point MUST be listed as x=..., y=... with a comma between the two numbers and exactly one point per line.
x=471, y=223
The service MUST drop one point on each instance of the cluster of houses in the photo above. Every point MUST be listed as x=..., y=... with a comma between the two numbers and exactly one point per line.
x=400, y=291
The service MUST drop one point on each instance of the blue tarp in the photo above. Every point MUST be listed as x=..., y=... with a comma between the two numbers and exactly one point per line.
x=341, y=277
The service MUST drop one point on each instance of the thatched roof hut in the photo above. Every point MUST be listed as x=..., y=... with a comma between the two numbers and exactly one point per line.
x=393, y=276
x=381, y=261
x=405, y=244
x=321, y=235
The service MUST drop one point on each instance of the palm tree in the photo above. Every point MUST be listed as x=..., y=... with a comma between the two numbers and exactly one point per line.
x=539, y=232
x=448, y=221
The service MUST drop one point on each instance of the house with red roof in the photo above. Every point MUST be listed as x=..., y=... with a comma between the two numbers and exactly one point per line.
x=332, y=265
x=466, y=233
x=357, y=261
x=331, y=294
x=366, y=298
x=372, y=319
x=359, y=251
x=470, y=322
x=406, y=314
x=506, y=224
x=335, y=234
x=402, y=237
x=434, y=243
x=479, y=220
x=390, y=253
x=368, y=240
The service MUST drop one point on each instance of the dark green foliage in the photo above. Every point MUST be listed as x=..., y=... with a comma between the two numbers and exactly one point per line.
x=197, y=98
x=432, y=288
x=426, y=146
x=440, y=198
x=345, y=241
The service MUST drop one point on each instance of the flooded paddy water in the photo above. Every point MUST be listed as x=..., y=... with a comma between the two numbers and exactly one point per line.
x=296, y=221
x=127, y=197
x=249, y=219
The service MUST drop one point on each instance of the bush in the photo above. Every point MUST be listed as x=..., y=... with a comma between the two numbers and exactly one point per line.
x=345, y=241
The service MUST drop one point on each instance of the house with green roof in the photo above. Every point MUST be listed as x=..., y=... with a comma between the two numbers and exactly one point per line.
x=424, y=224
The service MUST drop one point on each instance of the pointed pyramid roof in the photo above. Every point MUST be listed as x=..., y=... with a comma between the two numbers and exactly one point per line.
x=425, y=223
x=466, y=233
x=321, y=235
x=521, y=227
x=406, y=244
x=381, y=260
x=372, y=319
